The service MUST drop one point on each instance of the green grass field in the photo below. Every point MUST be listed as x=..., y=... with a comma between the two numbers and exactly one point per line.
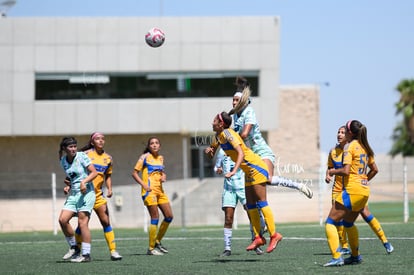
x=196, y=251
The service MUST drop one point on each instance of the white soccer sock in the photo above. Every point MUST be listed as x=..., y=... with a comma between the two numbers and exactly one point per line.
x=281, y=181
x=227, y=238
x=71, y=241
x=86, y=248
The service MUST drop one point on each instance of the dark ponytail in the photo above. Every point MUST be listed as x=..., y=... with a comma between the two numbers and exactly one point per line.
x=360, y=132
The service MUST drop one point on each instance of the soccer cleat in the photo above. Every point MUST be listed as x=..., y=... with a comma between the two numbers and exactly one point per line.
x=388, y=247
x=335, y=262
x=81, y=259
x=258, y=241
x=345, y=251
x=226, y=253
x=72, y=253
x=161, y=248
x=275, y=239
x=154, y=252
x=258, y=251
x=115, y=256
x=306, y=190
x=353, y=260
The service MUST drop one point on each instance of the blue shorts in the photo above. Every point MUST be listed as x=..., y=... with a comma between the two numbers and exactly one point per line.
x=230, y=198
x=78, y=202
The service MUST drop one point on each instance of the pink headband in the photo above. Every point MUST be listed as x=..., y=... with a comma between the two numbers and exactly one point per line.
x=94, y=135
x=221, y=119
x=348, y=125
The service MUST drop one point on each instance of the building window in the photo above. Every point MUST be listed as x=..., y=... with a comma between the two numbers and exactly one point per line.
x=60, y=86
x=201, y=165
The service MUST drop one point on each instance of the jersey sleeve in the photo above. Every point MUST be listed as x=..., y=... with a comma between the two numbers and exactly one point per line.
x=140, y=163
x=231, y=138
x=84, y=159
x=329, y=162
x=250, y=117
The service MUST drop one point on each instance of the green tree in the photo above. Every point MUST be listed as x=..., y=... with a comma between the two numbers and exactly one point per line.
x=403, y=135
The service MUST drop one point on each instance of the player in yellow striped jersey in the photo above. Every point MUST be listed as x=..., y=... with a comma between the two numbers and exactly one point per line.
x=335, y=160
x=358, y=169
x=256, y=177
x=151, y=166
x=103, y=164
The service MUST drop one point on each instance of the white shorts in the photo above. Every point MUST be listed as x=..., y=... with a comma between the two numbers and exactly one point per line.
x=230, y=198
x=78, y=202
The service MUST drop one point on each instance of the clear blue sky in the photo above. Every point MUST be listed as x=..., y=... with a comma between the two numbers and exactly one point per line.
x=362, y=48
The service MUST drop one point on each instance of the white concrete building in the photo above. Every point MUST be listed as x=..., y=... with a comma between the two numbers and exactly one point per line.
x=74, y=76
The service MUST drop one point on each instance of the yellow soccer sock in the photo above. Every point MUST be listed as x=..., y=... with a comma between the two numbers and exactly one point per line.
x=254, y=220
x=353, y=238
x=332, y=238
x=110, y=238
x=161, y=232
x=269, y=219
x=342, y=236
x=152, y=235
x=376, y=227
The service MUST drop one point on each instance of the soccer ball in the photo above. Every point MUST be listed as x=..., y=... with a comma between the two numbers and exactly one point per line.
x=155, y=37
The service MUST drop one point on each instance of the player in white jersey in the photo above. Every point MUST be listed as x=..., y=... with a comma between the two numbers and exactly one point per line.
x=247, y=126
x=233, y=192
x=80, y=200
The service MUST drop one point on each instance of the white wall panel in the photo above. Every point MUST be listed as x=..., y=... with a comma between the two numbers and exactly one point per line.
x=128, y=57
x=23, y=87
x=23, y=58
x=43, y=123
x=6, y=30
x=6, y=119
x=108, y=58
x=6, y=87
x=45, y=58
x=66, y=31
x=107, y=30
x=45, y=31
x=24, y=31
x=6, y=57
x=22, y=118
x=210, y=57
x=87, y=56
x=66, y=58
x=128, y=33
x=87, y=30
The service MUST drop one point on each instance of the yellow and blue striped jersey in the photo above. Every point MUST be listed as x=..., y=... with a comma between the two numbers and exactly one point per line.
x=357, y=180
x=335, y=159
x=103, y=165
x=152, y=169
x=228, y=140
